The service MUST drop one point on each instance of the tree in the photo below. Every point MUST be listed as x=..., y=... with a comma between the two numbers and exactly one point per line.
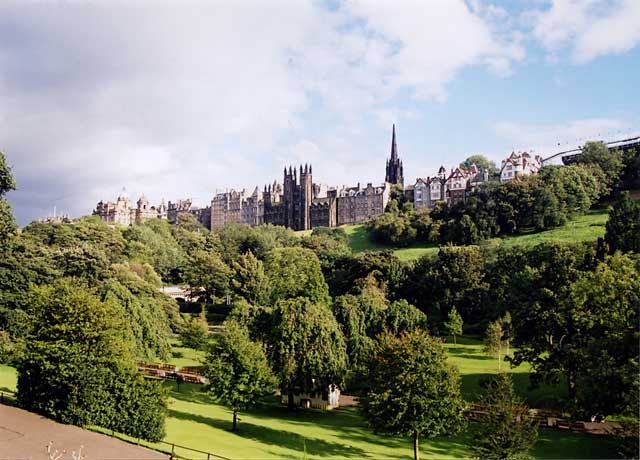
x=507, y=432
x=79, y=364
x=481, y=162
x=195, y=333
x=414, y=390
x=305, y=346
x=296, y=272
x=623, y=226
x=454, y=323
x=7, y=183
x=249, y=279
x=609, y=161
x=207, y=275
x=238, y=370
x=493, y=340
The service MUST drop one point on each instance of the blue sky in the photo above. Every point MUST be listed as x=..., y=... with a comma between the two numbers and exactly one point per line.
x=179, y=100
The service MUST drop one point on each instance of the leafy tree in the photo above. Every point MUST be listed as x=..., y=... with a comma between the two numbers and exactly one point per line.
x=414, y=390
x=195, y=333
x=481, y=162
x=401, y=316
x=249, y=279
x=238, y=370
x=507, y=432
x=305, y=346
x=7, y=183
x=295, y=272
x=602, y=309
x=455, y=277
x=153, y=243
x=631, y=171
x=207, y=275
x=610, y=162
x=623, y=226
x=454, y=323
x=493, y=340
x=79, y=364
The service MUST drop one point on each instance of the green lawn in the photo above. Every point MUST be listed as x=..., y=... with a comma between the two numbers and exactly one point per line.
x=475, y=366
x=182, y=356
x=589, y=227
x=584, y=228
x=359, y=241
x=273, y=432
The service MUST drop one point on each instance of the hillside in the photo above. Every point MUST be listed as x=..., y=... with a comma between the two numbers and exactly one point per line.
x=584, y=228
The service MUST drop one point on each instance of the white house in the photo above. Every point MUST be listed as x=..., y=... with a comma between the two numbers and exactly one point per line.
x=519, y=164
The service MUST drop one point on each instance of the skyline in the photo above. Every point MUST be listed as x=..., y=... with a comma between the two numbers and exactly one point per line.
x=176, y=102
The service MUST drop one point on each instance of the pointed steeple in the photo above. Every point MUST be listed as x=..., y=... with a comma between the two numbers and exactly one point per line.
x=394, y=147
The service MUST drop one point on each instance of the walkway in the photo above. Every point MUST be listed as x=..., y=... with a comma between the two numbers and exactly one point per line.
x=24, y=435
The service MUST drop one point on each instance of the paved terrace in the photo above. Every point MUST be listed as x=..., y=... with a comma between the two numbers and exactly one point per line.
x=24, y=436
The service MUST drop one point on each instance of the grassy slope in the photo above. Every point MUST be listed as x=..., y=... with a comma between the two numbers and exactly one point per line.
x=584, y=228
x=272, y=432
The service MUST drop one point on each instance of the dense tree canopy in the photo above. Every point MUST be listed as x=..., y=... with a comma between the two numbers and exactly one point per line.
x=623, y=226
x=79, y=368
x=295, y=272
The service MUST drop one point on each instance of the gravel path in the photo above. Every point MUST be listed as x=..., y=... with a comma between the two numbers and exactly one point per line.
x=25, y=436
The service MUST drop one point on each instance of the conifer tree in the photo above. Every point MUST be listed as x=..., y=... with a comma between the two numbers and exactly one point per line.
x=507, y=432
x=454, y=323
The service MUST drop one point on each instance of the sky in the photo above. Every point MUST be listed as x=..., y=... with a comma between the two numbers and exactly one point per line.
x=185, y=99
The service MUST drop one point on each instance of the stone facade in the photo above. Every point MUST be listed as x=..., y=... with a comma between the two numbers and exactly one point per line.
x=451, y=187
x=227, y=207
x=359, y=204
x=122, y=212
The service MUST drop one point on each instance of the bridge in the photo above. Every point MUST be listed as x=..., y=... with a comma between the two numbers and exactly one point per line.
x=570, y=156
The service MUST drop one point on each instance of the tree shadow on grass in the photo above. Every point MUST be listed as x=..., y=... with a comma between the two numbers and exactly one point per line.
x=314, y=447
x=542, y=397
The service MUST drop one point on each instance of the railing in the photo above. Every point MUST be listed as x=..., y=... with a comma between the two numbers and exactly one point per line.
x=9, y=399
x=174, y=448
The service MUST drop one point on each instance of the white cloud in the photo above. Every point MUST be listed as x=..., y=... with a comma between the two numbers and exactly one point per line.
x=180, y=100
x=588, y=28
x=547, y=139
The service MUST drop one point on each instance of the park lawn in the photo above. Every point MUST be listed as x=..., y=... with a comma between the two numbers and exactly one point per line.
x=182, y=356
x=588, y=227
x=271, y=431
x=475, y=366
x=360, y=241
x=8, y=379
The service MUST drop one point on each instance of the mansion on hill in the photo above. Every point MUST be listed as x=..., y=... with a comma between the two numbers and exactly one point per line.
x=300, y=204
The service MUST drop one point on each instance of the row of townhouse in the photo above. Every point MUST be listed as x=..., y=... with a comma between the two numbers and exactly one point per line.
x=455, y=185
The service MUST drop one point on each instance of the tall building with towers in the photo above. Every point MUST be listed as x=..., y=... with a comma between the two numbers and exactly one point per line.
x=394, y=173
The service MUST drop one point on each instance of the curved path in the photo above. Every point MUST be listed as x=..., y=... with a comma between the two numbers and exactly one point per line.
x=24, y=435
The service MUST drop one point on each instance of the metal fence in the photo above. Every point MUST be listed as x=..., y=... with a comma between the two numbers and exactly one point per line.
x=176, y=451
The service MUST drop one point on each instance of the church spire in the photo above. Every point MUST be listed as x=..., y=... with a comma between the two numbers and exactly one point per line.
x=394, y=169
x=394, y=147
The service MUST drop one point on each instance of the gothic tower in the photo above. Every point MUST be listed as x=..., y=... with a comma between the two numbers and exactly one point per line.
x=306, y=196
x=394, y=173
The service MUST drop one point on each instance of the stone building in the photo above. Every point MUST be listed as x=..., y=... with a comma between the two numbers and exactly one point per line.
x=359, y=204
x=451, y=187
x=227, y=207
x=122, y=212
x=290, y=206
x=182, y=205
x=394, y=171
